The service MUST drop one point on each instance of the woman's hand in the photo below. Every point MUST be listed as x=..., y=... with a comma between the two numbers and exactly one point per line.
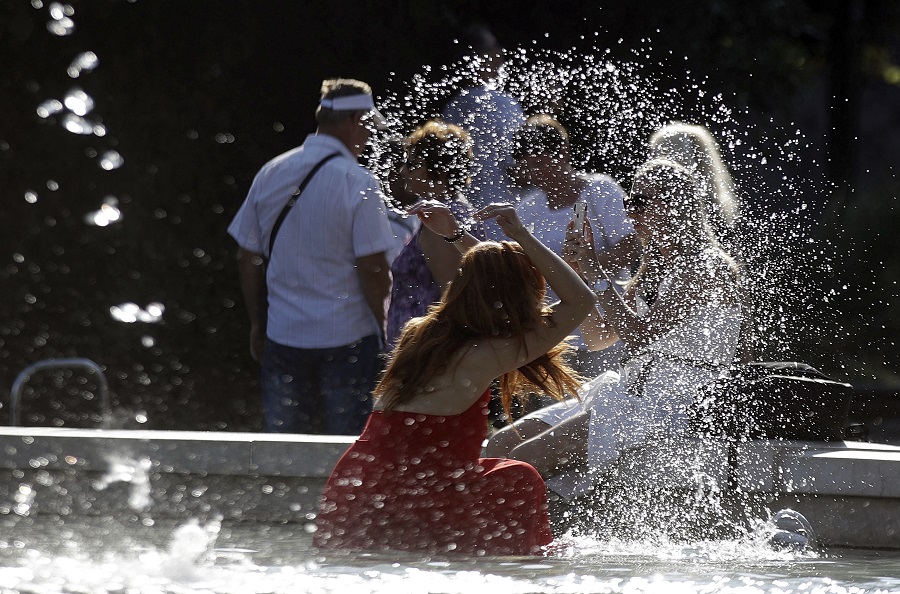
x=579, y=253
x=506, y=216
x=436, y=216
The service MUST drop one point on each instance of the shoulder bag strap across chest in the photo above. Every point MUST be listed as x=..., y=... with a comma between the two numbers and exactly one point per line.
x=293, y=200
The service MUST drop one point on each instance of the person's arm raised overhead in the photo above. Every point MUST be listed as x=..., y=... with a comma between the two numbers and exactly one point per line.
x=438, y=217
x=575, y=298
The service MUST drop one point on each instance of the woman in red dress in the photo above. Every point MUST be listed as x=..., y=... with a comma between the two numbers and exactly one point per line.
x=414, y=479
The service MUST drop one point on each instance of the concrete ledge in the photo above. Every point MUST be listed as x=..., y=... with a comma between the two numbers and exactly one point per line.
x=193, y=452
x=851, y=472
x=849, y=491
x=681, y=462
x=165, y=474
x=859, y=522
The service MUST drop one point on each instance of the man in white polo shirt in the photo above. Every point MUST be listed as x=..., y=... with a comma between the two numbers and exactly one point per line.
x=317, y=309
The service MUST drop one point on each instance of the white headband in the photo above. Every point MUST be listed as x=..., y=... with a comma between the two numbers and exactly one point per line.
x=362, y=102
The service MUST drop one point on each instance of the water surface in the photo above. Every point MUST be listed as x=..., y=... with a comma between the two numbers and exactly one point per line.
x=140, y=556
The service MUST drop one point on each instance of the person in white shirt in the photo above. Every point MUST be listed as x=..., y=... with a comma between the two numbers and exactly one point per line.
x=317, y=308
x=554, y=186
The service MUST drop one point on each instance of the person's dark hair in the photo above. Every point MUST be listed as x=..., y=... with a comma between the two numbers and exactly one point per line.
x=445, y=148
x=478, y=54
x=338, y=87
x=478, y=39
x=498, y=292
x=540, y=135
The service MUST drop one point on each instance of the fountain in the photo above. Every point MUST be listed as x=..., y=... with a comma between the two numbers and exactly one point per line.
x=113, y=510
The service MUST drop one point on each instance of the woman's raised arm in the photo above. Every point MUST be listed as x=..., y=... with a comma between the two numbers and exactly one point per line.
x=575, y=298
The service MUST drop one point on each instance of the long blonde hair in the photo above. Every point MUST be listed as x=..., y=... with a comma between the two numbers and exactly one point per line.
x=498, y=293
x=694, y=147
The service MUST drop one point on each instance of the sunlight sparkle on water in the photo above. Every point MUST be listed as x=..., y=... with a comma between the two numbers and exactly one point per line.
x=61, y=27
x=77, y=124
x=49, y=107
x=611, y=108
x=130, y=313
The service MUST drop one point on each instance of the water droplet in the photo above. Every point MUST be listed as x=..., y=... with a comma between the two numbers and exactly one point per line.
x=61, y=27
x=111, y=160
x=77, y=124
x=49, y=107
x=107, y=213
x=83, y=62
x=79, y=102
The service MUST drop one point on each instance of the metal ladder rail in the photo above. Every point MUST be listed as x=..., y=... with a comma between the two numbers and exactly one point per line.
x=15, y=394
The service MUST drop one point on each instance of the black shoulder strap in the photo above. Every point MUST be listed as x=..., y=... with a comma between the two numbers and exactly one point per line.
x=293, y=200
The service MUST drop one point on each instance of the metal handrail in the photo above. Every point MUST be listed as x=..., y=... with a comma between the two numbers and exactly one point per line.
x=15, y=394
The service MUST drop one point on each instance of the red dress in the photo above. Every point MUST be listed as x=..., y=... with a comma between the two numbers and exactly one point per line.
x=415, y=482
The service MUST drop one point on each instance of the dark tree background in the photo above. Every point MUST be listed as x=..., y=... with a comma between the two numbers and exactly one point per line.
x=196, y=95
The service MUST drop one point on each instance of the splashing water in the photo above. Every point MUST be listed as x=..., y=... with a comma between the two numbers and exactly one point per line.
x=61, y=23
x=195, y=557
x=134, y=472
x=611, y=108
x=111, y=160
x=108, y=213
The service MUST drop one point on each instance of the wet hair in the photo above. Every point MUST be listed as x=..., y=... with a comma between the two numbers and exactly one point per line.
x=694, y=147
x=445, y=148
x=498, y=293
x=338, y=87
x=540, y=135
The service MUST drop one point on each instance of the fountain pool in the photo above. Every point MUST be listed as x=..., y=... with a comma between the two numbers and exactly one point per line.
x=101, y=555
x=161, y=511
x=151, y=512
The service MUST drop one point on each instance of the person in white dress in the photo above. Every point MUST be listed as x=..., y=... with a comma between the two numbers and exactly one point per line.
x=679, y=317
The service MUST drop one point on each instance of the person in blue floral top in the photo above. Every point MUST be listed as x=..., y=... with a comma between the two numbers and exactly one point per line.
x=437, y=167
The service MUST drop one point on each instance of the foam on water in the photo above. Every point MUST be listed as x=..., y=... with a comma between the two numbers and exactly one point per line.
x=193, y=561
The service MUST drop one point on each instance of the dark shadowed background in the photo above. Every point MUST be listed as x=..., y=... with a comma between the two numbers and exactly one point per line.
x=196, y=95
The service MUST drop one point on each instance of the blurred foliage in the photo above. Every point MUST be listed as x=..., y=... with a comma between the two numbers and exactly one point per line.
x=197, y=95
